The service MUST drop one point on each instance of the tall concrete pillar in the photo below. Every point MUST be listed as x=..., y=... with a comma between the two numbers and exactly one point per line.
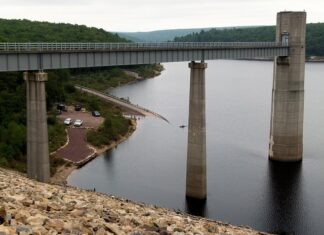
x=38, y=167
x=287, y=112
x=196, y=154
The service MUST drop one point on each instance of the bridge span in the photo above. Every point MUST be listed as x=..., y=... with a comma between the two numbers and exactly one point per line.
x=287, y=111
x=45, y=56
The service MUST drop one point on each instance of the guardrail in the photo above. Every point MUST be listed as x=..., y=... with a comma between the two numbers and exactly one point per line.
x=43, y=46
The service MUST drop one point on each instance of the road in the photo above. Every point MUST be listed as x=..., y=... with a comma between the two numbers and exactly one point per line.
x=121, y=103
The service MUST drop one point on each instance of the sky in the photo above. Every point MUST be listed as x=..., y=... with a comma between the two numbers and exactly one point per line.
x=148, y=15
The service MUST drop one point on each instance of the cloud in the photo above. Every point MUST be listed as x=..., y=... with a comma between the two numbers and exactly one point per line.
x=43, y=2
x=145, y=15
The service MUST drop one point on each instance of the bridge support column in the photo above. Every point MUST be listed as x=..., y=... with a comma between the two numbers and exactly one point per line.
x=287, y=112
x=38, y=167
x=196, y=154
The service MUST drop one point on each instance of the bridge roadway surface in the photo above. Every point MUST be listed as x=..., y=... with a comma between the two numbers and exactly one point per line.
x=45, y=56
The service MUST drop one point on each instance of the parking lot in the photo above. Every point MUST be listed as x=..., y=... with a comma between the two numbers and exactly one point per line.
x=77, y=150
x=89, y=121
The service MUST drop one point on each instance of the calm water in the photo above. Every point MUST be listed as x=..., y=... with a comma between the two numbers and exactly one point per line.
x=244, y=188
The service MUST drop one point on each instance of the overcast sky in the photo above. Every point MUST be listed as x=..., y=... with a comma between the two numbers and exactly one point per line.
x=147, y=15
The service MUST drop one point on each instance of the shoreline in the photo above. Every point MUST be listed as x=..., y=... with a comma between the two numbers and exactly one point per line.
x=63, y=172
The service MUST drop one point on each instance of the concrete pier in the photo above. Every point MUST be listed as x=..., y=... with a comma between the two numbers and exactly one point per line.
x=38, y=167
x=287, y=112
x=196, y=155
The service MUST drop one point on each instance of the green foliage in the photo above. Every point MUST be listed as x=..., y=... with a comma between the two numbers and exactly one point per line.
x=149, y=70
x=51, y=120
x=114, y=126
x=101, y=79
x=59, y=88
x=56, y=162
x=56, y=134
x=33, y=31
x=158, y=35
x=314, y=36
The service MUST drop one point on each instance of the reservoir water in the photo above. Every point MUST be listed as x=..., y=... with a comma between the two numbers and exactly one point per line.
x=244, y=188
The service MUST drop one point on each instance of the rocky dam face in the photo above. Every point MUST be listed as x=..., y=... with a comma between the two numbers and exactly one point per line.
x=30, y=207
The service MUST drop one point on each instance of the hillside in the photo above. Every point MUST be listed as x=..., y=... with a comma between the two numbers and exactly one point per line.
x=158, y=35
x=34, y=31
x=58, y=87
x=314, y=36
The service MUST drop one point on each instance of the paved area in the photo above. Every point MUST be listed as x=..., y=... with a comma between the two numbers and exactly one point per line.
x=89, y=121
x=77, y=149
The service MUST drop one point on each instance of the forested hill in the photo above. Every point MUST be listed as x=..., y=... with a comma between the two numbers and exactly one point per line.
x=12, y=86
x=314, y=36
x=33, y=31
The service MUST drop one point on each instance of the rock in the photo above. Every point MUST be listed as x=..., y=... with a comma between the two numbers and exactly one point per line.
x=47, y=195
x=54, y=206
x=29, y=207
x=57, y=225
x=113, y=228
x=78, y=213
x=40, y=231
x=211, y=228
x=22, y=216
x=27, y=202
x=70, y=205
x=101, y=231
x=6, y=230
x=24, y=230
x=67, y=226
x=37, y=220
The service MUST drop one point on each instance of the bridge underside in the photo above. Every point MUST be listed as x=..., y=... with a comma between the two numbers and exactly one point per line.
x=31, y=61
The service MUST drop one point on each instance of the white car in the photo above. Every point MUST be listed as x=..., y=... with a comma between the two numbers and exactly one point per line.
x=68, y=121
x=78, y=122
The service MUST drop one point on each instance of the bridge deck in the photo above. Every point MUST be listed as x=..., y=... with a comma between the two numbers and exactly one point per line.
x=44, y=56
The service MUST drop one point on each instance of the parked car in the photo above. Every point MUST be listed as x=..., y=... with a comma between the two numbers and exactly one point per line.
x=77, y=107
x=61, y=107
x=95, y=113
x=78, y=122
x=68, y=121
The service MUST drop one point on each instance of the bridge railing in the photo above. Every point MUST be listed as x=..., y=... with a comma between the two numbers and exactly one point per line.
x=43, y=46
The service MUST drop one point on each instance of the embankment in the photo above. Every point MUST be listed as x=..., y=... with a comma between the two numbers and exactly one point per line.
x=29, y=207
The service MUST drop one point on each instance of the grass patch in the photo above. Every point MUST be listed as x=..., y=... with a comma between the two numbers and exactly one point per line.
x=101, y=80
x=56, y=136
x=112, y=129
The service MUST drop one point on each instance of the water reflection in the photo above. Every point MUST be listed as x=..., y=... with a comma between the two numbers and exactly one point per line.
x=244, y=188
x=284, y=197
x=196, y=206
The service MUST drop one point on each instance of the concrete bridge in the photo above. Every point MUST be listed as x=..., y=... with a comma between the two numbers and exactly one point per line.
x=286, y=130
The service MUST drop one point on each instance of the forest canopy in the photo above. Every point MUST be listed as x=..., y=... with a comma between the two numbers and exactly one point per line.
x=314, y=36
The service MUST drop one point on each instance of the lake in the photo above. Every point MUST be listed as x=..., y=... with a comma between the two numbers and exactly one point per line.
x=244, y=188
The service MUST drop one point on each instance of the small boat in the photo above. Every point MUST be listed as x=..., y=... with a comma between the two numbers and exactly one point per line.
x=182, y=126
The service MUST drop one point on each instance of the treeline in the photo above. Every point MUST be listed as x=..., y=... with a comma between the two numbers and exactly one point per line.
x=314, y=36
x=58, y=87
x=34, y=31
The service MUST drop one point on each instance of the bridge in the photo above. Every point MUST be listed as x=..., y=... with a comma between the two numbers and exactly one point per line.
x=286, y=129
x=46, y=56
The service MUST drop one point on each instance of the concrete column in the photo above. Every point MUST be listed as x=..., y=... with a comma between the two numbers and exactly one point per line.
x=196, y=154
x=287, y=112
x=38, y=167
